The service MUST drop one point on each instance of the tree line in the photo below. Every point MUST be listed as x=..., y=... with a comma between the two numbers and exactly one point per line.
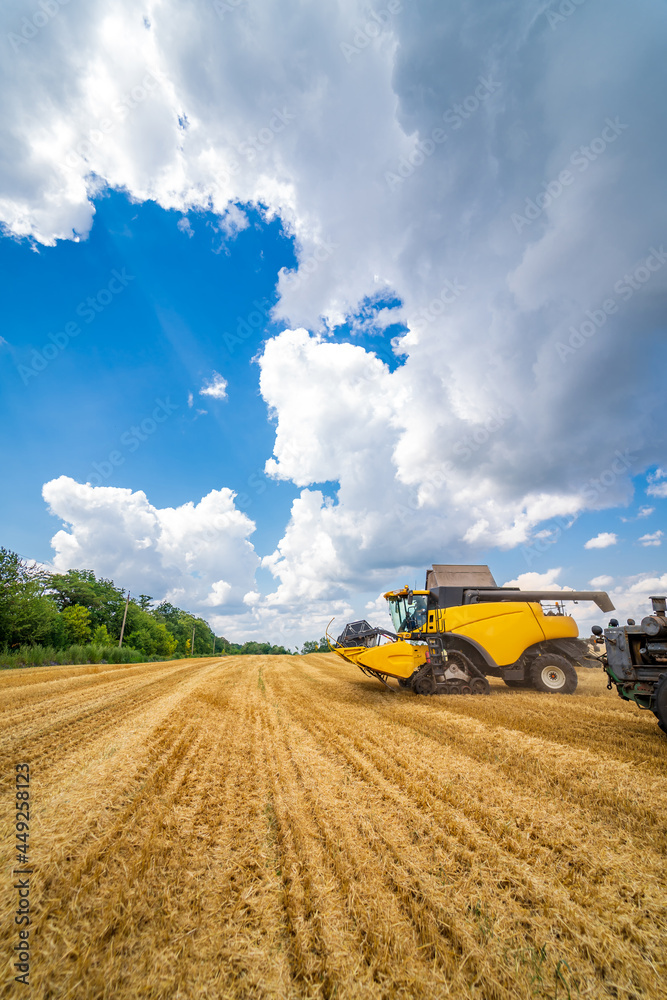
x=77, y=611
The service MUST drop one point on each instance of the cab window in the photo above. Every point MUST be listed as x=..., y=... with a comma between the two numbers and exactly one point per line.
x=408, y=616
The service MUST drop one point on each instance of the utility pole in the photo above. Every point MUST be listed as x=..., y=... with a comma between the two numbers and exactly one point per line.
x=122, y=628
x=192, y=647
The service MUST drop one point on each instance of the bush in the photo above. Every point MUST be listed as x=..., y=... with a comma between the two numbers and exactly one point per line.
x=37, y=656
x=76, y=654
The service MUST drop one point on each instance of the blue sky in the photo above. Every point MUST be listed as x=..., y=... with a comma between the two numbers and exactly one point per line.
x=160, y=337
x=421, y=260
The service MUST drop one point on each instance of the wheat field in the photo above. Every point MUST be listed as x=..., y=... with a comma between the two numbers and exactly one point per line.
x=284, y=827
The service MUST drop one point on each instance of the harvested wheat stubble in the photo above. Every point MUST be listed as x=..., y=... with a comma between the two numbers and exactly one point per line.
x=282, y=827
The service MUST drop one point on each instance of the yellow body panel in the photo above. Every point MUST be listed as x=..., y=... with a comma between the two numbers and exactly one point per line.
x=556, y=626
x=396, y=593
x=396, y=659
x=503, y=629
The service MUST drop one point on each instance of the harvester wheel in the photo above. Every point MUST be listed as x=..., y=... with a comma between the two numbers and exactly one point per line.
x=480, y=685
x=424, y=684
x=553, y=674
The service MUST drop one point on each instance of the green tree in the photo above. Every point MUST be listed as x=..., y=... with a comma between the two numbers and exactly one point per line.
x=149, y=637
x=101, y=637
x=180, y=624
x=104, y=600
x=316, y=647
x=77, y=624
x=27, y=613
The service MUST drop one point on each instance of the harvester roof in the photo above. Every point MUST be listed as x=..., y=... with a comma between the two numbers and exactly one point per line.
x=458, y=576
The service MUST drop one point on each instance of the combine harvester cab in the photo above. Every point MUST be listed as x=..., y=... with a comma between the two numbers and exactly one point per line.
x=636, y=660
x=462, y=628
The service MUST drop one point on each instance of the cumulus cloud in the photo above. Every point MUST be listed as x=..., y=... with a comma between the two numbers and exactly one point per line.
x=371, y=432
x=398, y=166
x=197, y=556
x=632, y=596
x=377, y=613
x=173, y=553
x=216, y=387
x=602, y=541
x=220, y=593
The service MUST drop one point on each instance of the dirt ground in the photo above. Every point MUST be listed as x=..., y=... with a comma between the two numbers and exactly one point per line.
x=284, y=827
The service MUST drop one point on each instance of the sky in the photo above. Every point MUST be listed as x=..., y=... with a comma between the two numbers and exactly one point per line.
x=299, y=299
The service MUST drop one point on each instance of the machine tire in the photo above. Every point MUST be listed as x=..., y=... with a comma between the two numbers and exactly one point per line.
x=661, y=703
x=553, y=674
x=424, y=685
x=480, y=685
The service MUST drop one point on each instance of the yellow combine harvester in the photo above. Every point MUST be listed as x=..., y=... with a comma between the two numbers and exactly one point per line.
x=463, y=627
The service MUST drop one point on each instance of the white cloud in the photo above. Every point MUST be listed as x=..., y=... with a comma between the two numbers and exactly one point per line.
x=602, y=541
x=225, y=114
x=642, y=512
x=600, y=582
x=176, y=554
x=585, y=613
x=538, y=581
x=342, y=415
x=184, y=225
x=654, y=539
x=657, y=487
x=220, y=593
x=377, y=613
x=216, y=387
x=179, y=554
x=234, y=221
x=632, y=597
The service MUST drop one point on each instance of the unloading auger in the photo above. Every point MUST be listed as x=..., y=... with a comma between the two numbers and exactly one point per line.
x=462, y=628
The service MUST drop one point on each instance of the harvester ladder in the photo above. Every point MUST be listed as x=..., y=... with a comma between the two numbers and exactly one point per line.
x=436, y=657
